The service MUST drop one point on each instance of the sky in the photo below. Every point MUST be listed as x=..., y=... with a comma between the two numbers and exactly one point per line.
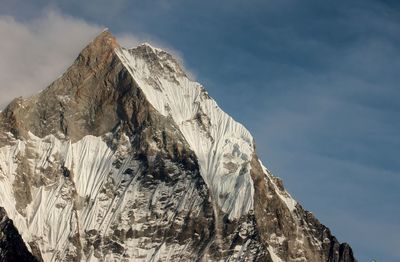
x=316, y=83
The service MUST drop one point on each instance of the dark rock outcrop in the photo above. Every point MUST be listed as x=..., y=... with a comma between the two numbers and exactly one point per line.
x=12, y=247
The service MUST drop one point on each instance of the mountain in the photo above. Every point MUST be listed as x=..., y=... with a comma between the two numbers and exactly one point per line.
x=124, y=158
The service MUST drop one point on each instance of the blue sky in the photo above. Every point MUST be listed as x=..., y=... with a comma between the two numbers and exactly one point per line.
x=316, y=82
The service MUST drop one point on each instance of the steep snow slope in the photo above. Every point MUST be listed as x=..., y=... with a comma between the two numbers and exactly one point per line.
x=50, y=217
x=224, y=147
x=101, y=198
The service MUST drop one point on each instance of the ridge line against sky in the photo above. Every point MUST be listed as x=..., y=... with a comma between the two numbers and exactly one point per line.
x=315, y=83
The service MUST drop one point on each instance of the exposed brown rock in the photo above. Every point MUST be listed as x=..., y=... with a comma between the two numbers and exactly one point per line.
x=275, y=219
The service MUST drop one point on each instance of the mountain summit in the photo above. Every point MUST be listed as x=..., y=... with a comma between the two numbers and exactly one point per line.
x=124, y=158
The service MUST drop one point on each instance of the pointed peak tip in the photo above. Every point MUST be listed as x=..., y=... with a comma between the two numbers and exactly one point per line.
x=105, y=33
x=106, y=37
x=146, y=44
x=149, y=46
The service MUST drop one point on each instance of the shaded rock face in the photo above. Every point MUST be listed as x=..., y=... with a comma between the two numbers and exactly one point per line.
x=81, y=102
x=12, y=247
x=93, y=170
x=294, y=234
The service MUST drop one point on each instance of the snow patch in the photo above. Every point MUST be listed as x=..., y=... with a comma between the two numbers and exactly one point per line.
x=273, y=255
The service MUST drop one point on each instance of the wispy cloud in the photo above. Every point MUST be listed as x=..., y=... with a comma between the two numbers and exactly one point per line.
x=34, y=53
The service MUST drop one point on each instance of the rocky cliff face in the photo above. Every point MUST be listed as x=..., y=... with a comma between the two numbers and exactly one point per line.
x=124, y=158
x=12, y=247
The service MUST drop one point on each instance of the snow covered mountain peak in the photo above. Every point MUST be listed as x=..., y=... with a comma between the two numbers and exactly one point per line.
x=224, y=148
x=125, y=158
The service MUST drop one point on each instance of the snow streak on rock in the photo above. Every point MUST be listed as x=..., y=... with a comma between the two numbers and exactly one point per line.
x=83, y=194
